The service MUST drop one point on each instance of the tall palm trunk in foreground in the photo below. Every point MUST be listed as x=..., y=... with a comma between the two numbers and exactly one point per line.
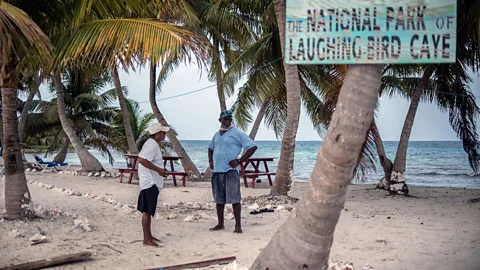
x=305, y=239
x=132, y=146
x=284, y=174
x=187, y=163
x=397, y=180
x=16, y=189
x=87, y=160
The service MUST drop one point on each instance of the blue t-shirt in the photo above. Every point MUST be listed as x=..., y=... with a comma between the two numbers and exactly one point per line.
x=227, y=147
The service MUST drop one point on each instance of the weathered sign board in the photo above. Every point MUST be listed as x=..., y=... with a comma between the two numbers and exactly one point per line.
x=370, y=31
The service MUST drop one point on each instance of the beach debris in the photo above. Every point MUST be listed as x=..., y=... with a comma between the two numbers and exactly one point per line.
x=340, y=265
x=15, y=233
x=189, y=218
x=81, y=224
x=97, y=174
x=172, y=216
x=118, y=205
x=230, y=216
x=166, y=205
x=367, y=267
x=204, y=216
x=254, y=207
x=157, y=216
x=280, y=207
x=37, y=239
x=233, y=266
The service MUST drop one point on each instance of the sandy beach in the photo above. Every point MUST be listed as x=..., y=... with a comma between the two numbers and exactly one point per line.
x=436, y=228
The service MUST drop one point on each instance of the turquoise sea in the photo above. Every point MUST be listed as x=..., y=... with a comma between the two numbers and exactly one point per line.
x=435, y=163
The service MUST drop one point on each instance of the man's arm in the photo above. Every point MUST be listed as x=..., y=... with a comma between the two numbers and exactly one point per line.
x=210, y=158
x=149, y=165
x=234, y=163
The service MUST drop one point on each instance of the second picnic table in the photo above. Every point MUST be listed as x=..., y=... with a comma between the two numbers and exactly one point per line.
x=134, y=169
x=256, y=162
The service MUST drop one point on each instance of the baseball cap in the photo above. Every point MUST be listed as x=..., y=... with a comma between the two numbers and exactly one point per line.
x=225, y=113
x=157, y=127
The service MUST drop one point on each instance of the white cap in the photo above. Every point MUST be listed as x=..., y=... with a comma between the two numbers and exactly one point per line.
x=157, y=127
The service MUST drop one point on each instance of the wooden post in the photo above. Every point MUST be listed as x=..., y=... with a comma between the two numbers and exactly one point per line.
x=50, y=262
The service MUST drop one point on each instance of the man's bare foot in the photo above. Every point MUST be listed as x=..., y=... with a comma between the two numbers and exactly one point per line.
x=238, y=230
x=150, y=243
x=217, y=228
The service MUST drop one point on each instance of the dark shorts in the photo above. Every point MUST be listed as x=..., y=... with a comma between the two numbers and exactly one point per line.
x=226, y=187
x=147, y=200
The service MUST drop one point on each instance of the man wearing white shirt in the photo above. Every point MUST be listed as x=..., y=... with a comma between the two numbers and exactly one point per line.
x=151, y=174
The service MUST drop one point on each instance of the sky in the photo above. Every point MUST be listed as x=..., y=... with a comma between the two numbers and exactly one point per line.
x=195, y=115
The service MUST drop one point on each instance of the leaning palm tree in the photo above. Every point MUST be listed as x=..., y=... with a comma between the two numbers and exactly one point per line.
x=132, y=146
x=136, y=39
x=88, y=111
x=187, y=162
x=18, y=35
x=451, y=94
x=139, y=124
x=305, y=238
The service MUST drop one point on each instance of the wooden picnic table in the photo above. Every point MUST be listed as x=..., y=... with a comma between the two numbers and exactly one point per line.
x=256, y=163
x=134, y=169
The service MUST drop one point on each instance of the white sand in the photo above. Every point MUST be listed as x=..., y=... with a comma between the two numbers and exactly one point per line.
x=437, y=229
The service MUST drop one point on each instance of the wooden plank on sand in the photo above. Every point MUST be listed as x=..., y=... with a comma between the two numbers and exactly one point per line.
x=51, y=261
x=197, y=264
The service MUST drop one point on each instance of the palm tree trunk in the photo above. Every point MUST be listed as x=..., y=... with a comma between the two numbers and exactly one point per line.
x=284, y=174
x=258, y=120
x=1, y=128
x=385, y=162
x=26, y=108
x=219, y=78
x=132, y=146
x=305, y=239
x=397, y=178
x=62, y=155
x=187, y=163
x=88, y=161
x=17, y=195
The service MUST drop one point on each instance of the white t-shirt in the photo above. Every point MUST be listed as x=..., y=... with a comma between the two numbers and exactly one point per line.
x=148, y=178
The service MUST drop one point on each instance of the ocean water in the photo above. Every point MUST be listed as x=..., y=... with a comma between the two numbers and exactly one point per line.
x=436, y=164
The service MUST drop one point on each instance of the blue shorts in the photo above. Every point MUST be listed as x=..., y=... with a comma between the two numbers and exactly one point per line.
x=226, y=187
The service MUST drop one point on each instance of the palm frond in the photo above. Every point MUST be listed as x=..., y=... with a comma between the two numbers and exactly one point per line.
x=101, y=41
x=21, y=37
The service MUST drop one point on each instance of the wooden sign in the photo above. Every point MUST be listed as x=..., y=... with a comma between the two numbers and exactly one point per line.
x=370, y=31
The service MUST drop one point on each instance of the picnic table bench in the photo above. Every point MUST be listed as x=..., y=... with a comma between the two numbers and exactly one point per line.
x=134, y=170
x=255, y=162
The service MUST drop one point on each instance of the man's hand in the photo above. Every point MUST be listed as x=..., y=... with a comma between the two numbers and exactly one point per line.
x=211, y=164
x=234, y=163
x=162, y=172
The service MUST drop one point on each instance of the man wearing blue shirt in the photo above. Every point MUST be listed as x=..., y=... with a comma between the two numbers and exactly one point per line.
x=223, y=152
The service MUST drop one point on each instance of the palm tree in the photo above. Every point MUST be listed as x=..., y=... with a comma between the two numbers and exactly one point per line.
x=139, y=125
x=461, y=104
x=187, y=162
x=132, y=146
x=18, y=35
x=305, y=239
x=88, y=111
